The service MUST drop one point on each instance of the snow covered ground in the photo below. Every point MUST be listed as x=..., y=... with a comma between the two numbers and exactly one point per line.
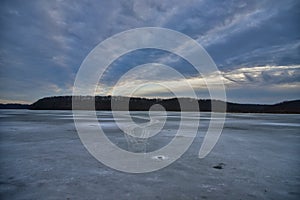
x=42, y=157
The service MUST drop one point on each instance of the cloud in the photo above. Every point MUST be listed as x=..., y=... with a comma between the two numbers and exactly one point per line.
x=44, y=42
x=150, y=81
x=265, y=75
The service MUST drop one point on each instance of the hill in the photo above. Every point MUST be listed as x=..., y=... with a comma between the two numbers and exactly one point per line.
x=140, y=104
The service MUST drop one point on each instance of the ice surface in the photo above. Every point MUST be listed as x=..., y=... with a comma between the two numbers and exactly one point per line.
x=43, y=158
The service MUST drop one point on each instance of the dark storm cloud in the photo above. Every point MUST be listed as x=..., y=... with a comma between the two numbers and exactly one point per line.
x=44, y=42
x=273, y=40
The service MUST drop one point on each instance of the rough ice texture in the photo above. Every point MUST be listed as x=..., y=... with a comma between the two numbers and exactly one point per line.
x=43, y=158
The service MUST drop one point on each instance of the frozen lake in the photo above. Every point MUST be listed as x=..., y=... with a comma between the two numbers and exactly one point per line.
x=42, y=157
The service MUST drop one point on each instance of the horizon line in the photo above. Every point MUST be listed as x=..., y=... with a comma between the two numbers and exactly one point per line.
x=152, y=98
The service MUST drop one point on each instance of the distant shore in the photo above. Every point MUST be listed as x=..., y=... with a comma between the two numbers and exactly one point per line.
x=143, y=104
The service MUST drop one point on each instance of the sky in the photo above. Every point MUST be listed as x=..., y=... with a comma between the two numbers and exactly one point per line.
x=255, y=45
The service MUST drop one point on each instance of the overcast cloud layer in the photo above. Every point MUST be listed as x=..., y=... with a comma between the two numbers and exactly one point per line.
x=255, y=44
